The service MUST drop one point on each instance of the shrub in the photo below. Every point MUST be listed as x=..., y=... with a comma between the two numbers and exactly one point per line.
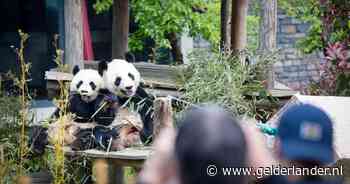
x=221, y=78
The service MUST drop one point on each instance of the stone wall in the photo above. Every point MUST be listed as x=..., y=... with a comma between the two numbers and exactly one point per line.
x=294, y=69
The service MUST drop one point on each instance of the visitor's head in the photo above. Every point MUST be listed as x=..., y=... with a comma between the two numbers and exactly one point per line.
x=209, y=139
x=305, y=135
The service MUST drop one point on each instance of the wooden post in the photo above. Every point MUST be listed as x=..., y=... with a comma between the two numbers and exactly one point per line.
x=120, y=29
x=116, y=174
x=225, y=20
x=268, y=33
x=163, y=115
x=24, y=180
x=73, y=33
x=107, y=172
x=238, y=24
x=100, y=171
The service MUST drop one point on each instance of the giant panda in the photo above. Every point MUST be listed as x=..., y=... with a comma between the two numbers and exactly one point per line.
x=123, y=79
x=84, y=90
x=83, y=97
x=104, y=124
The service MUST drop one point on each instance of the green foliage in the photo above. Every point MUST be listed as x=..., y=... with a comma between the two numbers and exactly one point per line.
x=327, y=18
x=102, y=5
x=156, y=19
x=14, y=115
x=253, y=25
x=220, y=78
x=309, y=12
x=329, y=32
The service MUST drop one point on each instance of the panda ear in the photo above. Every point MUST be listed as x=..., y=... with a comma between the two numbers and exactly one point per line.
x=76, y=69
x=102, y=66
x=130, y=57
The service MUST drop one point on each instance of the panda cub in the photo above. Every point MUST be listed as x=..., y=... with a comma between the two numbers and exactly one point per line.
x=85, y=99
x=123, y=79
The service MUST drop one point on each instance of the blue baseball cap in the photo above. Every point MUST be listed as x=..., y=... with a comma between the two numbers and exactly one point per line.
x=306, y=133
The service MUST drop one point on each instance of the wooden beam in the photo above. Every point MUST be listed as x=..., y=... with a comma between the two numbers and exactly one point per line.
x=73, y=33
x=120, y=29
x=238, y=24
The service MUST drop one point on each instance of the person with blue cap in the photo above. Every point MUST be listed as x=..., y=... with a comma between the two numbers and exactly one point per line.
x=304, y=140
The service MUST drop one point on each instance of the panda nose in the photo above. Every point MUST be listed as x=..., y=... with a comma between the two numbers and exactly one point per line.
x=83, y=91
x=128, y=87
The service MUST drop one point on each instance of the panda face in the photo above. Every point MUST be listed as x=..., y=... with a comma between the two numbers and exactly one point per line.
x=121, y=78
x=87, y=83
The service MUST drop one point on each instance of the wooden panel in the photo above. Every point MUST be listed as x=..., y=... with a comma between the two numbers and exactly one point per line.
x=162, y=76
x=41, y=178
x=58, y=76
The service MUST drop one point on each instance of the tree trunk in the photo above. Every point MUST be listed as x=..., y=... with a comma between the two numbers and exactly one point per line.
x=73, y=33
x=268, y=33
x=238, y=24
x=120, y=29
x=225, y=24
x=268, y=25
x=175, y=49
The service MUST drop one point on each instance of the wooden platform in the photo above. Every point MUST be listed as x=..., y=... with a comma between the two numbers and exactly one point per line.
x=132, y=153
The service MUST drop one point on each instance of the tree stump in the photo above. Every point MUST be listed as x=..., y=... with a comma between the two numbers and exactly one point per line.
x=163, y=116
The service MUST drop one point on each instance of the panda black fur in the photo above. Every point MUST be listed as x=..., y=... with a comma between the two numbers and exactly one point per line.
x=123, y=79
x=88, y=97
x=84, y=93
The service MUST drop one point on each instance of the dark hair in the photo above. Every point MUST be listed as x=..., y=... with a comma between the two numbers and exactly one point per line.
x=209, y=136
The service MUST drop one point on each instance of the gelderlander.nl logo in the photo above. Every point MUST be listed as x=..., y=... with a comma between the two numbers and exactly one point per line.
x=260, y=172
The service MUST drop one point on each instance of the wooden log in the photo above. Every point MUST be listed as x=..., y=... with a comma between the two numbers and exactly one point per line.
x=73, y=33
x=163, y=115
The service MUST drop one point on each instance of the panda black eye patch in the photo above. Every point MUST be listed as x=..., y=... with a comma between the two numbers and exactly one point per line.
x=79, y=84
x=93, y=85
x=131, y=76
x=117, y=81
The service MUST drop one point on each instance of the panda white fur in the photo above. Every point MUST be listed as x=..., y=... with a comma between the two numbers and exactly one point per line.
x=84, y=92
x=123, y=79
x=86, y=83
x=120, y=77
